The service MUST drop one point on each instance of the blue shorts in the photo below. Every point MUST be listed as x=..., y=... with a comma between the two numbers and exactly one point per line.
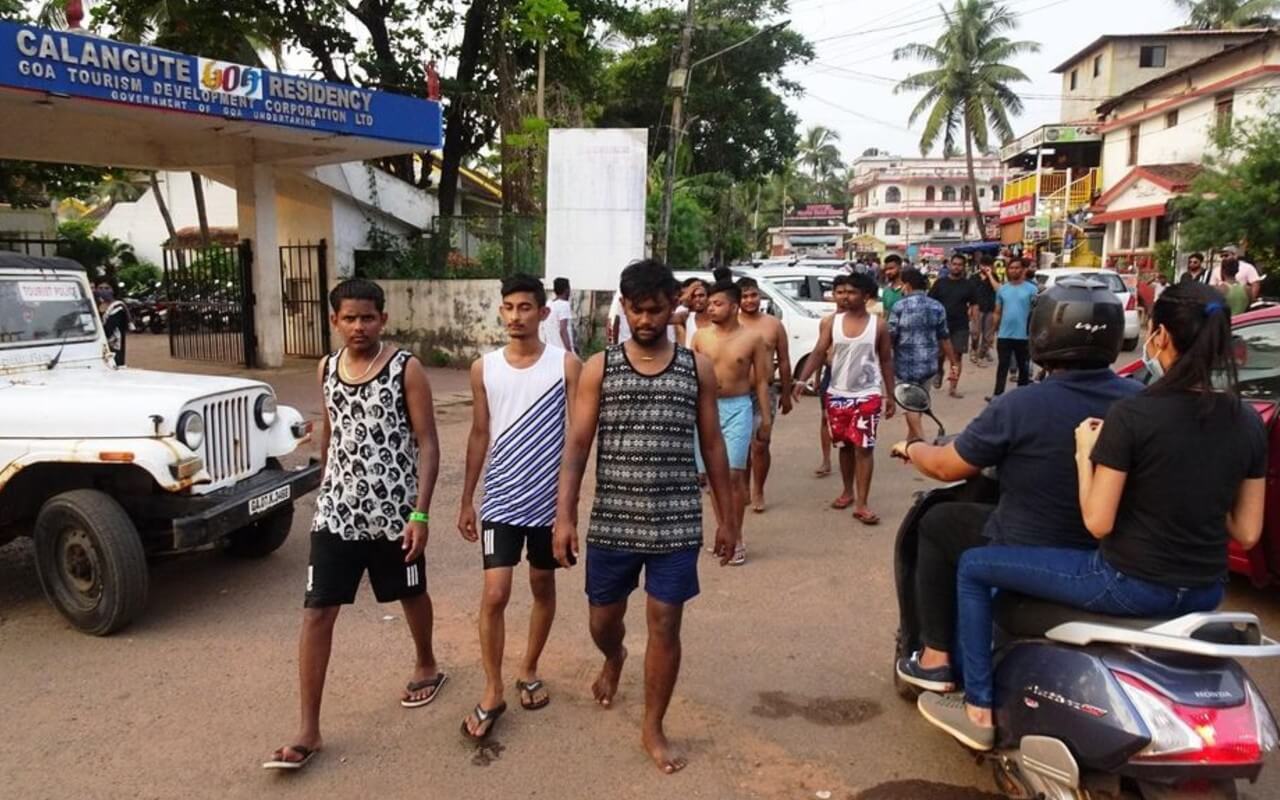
x=612, y=575
x=736, y=426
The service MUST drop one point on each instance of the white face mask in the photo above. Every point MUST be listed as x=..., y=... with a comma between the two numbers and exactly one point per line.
x=1152, y=363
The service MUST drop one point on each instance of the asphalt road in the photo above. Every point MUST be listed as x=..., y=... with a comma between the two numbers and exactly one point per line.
x=785, y=690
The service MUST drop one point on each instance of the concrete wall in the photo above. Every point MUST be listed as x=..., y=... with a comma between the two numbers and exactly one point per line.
x=1119, y=71
x=459, y=318
x=34, y=222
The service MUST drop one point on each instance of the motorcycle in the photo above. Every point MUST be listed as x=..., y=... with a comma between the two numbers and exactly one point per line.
x=1090, y=706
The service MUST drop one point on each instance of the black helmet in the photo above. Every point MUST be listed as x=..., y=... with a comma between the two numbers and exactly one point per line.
x=1078, y=319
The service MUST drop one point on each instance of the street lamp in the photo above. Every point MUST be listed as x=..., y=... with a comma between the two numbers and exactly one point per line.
x=678, y=83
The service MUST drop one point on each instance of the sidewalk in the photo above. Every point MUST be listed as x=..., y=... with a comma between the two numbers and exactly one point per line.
x=295, y=382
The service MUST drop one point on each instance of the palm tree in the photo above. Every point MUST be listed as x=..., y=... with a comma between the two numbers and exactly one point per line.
x=1209, y=15
x=966, y=93
x=818, y=152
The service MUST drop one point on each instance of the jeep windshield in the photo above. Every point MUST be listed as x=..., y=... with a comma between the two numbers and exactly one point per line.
x=39, y=311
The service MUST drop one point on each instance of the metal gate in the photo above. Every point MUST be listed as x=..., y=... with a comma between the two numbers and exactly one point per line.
x=209, y=297
x=304, y=276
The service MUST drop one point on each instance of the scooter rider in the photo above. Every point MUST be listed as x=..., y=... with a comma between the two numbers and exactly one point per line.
x=1029, y=434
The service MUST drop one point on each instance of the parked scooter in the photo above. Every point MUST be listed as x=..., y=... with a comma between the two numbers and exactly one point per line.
x=1090, y=706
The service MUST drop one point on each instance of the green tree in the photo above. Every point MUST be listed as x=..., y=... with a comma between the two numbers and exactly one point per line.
x=32, y=184
x=966, y=90
x=1208, y=15
x=1235, y=197
x=820, y=153
x=738, y=120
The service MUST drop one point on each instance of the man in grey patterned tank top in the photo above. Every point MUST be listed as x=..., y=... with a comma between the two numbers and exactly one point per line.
x=645, y=398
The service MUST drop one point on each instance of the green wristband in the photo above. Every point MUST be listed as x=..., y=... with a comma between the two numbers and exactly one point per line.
x=418, y=516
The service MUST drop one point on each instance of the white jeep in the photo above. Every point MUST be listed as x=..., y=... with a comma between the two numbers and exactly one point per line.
x=104, y=466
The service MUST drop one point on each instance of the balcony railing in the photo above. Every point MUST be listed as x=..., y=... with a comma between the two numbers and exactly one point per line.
x=1054, y=186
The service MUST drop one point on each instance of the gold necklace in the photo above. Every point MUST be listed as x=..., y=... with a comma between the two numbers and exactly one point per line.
x=347, y=375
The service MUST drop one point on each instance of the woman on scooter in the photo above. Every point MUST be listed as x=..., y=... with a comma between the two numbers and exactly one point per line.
x=1163, y=482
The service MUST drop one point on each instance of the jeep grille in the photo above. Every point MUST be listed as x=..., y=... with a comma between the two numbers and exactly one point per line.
x=226, y=438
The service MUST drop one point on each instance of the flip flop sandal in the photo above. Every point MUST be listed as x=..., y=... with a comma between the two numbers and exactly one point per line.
x=280, y=763
x=842, y=502
x=530, y=688
x=434, y=684
x=491, y=716
x=866, y=517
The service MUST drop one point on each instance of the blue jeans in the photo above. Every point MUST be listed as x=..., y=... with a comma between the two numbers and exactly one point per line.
x=1080, y=578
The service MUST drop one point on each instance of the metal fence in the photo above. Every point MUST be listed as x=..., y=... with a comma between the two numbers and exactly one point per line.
x=304, y=276
x=462, y=247
x=34, y=245
x=210, y=303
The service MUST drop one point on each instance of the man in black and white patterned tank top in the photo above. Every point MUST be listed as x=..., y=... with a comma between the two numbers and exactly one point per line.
x=380, y=457
x=645, y=398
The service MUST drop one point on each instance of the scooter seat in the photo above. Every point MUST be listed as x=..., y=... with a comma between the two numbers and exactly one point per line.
x=1021, y=616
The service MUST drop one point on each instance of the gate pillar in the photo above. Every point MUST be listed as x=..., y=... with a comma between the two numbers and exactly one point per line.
x=257, y=221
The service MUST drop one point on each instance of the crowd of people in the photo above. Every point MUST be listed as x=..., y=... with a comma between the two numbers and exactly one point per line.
x=684, y=397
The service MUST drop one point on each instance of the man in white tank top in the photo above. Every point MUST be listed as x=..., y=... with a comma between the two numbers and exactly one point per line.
x=861, y=388
x=521, y=400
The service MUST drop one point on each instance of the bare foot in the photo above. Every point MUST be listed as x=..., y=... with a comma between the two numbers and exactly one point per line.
x=822, y=471
x=757, y=504
x=606, y=686
x=667, y=758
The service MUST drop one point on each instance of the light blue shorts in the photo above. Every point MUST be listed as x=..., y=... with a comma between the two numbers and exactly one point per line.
x=736, y=428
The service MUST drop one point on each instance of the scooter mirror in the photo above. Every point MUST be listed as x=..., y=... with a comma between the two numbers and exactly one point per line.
x=912, y=397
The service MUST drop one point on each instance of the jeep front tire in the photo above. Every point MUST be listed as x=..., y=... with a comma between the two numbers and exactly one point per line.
x=90, y=560
x=262, y=537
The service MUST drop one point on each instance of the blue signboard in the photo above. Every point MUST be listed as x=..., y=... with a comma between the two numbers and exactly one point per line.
x=75, y=65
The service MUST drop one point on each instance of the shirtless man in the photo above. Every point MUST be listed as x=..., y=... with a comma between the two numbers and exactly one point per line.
x=775, y=340
x=742, y=368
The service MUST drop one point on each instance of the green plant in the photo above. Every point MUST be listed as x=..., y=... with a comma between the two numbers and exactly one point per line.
x=440, y=358
x=137, y=278
x=1162, y=256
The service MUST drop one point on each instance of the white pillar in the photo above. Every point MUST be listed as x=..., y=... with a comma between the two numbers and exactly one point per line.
x=256, y=218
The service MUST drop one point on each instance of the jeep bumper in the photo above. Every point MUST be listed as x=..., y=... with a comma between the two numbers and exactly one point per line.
x=211, y=517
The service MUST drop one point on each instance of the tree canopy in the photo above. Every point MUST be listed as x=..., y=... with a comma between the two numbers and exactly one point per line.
x=1234, y=199
x=1211, y=15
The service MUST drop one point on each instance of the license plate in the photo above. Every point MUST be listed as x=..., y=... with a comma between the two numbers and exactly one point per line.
x=271, y=499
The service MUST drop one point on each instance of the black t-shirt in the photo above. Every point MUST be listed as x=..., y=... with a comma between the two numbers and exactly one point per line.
x=985, y=293
x=956, y=295
x=1183, y=474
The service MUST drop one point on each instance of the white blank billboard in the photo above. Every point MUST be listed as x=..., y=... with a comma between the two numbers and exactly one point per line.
x=596, y=181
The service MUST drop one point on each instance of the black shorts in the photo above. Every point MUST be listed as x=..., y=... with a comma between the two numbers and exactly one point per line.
x=502, y=544
x=336, y=566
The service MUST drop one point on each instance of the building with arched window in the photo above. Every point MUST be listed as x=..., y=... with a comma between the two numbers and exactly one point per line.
x=907, y=200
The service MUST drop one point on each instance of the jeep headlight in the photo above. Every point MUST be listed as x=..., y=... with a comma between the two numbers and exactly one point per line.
x=190, y=429
x=264, y=411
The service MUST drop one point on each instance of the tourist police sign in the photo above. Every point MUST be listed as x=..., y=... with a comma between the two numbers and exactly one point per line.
x=76, y=65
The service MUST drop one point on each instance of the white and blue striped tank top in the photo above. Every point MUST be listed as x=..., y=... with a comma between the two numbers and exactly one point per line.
x=527, y=419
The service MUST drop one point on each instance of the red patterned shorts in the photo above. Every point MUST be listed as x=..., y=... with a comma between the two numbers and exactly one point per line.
x=854, y=421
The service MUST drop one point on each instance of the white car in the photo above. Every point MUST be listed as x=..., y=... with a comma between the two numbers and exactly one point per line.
x=105, y=466
x=809, y=286
x=1128, y=297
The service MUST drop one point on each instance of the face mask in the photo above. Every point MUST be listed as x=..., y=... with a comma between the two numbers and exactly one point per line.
x=1152, y=363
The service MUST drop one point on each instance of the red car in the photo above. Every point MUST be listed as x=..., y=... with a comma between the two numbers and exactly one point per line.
x=1257, y=338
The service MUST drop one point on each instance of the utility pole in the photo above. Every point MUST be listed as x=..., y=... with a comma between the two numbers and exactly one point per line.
x=677, y=82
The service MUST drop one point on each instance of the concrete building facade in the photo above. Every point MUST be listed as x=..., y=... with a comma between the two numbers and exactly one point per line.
x=1113, y=65
x=1156, y=137
x=906, y=203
